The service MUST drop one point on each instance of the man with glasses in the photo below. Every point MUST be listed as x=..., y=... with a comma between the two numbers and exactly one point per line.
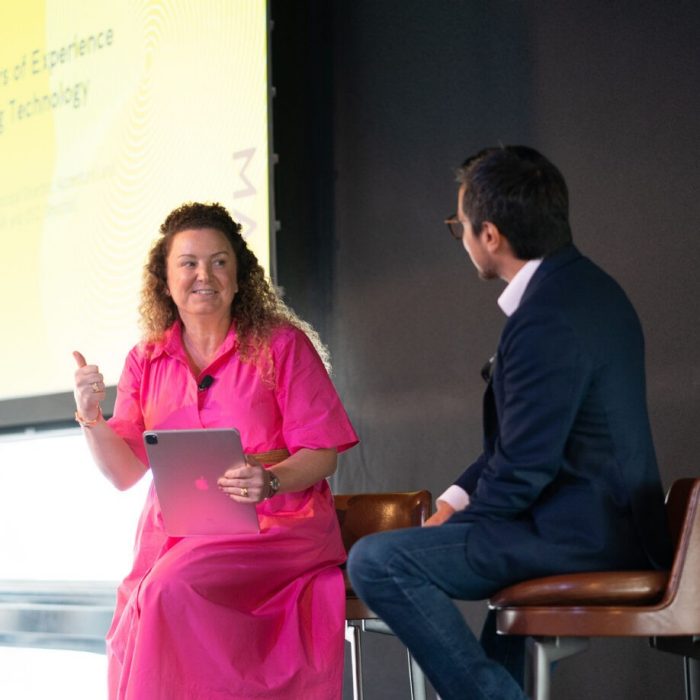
x=568, y=479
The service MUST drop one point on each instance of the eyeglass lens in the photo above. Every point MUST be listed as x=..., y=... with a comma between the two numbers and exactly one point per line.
x=454, y=226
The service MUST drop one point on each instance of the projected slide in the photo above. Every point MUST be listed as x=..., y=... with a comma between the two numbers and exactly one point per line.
x=111, y=114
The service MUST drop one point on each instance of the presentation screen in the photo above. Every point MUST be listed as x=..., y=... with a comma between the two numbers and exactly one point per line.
x=112, y=114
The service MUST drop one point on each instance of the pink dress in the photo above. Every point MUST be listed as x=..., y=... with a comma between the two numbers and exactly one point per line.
x=251, y=616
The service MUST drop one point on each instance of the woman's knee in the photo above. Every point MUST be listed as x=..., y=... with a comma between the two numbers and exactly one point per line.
x=164, y=584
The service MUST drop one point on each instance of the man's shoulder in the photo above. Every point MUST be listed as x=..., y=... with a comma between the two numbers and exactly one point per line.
x=578, y=301
x=570, y=280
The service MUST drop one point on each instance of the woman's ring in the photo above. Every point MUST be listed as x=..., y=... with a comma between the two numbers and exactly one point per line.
x=95, y=388
x=244, y=492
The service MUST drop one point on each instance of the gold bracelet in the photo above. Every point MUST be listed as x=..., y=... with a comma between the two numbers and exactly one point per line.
x=85, y=423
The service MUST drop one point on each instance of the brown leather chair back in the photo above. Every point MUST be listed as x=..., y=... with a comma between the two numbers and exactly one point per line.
x=677, y=506
x=683, y=591
x=361, y=514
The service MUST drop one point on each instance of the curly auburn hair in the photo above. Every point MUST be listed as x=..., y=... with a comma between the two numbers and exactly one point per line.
x=256, y=308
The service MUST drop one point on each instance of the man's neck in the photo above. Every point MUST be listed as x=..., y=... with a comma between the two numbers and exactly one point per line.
x=510, y=267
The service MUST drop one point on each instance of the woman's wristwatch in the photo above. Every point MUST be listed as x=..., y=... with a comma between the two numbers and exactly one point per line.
x=273, y=486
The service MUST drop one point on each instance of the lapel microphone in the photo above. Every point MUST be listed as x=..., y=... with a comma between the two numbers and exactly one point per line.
x=206, y=382
x=486, y=370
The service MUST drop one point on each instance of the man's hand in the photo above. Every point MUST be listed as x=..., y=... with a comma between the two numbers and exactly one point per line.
x=443, y=513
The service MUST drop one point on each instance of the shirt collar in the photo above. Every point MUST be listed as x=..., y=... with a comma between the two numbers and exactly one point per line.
x=509, y=301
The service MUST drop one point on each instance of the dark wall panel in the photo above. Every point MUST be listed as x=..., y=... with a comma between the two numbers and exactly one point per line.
x=415, y=92
x=609, y=91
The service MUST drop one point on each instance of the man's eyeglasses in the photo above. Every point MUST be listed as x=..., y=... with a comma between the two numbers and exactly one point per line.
x=454, y=226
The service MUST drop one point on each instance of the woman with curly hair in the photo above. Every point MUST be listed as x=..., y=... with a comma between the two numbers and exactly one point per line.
x=241, y=616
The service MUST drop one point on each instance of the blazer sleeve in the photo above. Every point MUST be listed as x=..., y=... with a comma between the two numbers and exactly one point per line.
x=539, y=382
x=470, y=477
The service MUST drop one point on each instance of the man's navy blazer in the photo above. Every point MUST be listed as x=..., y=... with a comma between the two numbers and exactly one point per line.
x=568, y=480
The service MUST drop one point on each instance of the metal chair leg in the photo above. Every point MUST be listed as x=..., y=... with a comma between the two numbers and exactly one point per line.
x=541, y=653
x=691, y=667
x=352, y=635
x=689, y=648
x=416, y=679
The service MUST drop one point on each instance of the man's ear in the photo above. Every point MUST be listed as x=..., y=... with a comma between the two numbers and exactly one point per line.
x=492, y=238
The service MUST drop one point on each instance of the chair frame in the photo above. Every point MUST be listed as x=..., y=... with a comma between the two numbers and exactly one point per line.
x=560, y=613
x=389, y=511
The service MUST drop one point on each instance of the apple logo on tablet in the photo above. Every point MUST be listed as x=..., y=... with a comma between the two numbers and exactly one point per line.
x=201, y=484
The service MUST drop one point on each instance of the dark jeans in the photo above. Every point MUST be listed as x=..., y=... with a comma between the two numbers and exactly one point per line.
x=409, y=578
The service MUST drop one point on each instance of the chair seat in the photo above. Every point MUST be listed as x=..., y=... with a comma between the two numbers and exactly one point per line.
x=617, y=603
x=590, y=588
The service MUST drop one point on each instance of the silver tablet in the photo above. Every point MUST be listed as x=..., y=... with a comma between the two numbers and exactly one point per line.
x=186, y=465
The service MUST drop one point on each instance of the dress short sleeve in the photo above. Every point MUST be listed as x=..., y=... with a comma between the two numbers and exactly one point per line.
x=127, y=419
x=312, y=414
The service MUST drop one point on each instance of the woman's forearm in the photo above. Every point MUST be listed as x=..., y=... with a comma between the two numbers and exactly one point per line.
x=305, y=468
x=113, y=456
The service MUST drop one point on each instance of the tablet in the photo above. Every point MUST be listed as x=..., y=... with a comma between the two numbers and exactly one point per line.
x=186, y=465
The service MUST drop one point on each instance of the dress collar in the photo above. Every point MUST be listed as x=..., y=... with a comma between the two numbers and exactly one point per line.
x=171, y=342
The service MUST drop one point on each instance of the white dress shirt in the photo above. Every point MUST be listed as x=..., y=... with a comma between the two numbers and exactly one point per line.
x=509, y=301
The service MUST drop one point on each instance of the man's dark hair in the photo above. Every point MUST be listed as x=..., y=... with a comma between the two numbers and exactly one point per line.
x=524, y=195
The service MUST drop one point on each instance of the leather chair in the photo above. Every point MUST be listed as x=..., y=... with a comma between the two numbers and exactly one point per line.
x=359, y=515
x=559, y=614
